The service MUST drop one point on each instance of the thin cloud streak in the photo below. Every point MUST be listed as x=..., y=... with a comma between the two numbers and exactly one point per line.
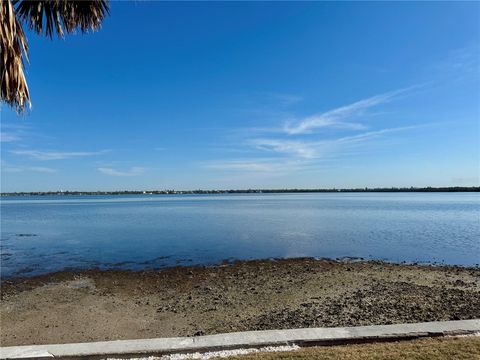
x=134, y=171
x=372, y=134
x=263, y=165
x=55, y=155
x=338, y=118
x=298, y=148
x=460, y=60
x=241, y=166
x=8, y=137
x=302, y=152
x=41, y=169
x=38, y=169
x=319, y=149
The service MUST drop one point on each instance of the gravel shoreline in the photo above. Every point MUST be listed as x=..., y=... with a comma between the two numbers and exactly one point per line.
x=96, y=305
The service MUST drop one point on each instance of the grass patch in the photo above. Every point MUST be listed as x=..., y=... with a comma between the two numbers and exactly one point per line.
x=458, y=348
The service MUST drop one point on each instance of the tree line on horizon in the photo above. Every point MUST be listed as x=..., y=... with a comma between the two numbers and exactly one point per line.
x=248, y=191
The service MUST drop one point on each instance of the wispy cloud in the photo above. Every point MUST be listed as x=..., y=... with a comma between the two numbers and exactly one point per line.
x=13, y=132
x=41, y=169
x=133, y=171
x=8, y=137
x=462, y=60
x=261, y=165
x=55, y=155
x=21, y=133
x=240, y=165
x=373, y=134
x=340, y=117
x=15, y=126
x=307, y=149
x=298, y=148
x=17, y=169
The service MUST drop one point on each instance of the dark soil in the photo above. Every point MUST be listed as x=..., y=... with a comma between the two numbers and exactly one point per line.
x=267, y=294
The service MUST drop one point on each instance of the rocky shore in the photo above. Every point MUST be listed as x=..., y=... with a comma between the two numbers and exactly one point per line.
x=98, y=305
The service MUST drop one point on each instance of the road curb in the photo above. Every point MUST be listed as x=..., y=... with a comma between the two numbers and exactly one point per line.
x=247, y=339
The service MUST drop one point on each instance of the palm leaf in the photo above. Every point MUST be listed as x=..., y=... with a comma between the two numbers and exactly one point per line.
x=50, y=16
x=44, y=17
x=13, y=47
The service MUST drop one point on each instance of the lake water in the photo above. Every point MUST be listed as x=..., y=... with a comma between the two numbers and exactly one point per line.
x=44, y=234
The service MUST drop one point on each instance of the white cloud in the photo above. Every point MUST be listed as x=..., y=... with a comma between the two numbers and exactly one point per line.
x=461, y=60
x=263, y=165
x=18, y=132
x=320, y=121
x=292, y=150
x=303, y=149
x=133, y=171
x=241, y=165
x=8, y=137
x=372, y=134
x=17, y=169
x=41, y=169
x=298, y=148
x=55, y=155
x=338, y=118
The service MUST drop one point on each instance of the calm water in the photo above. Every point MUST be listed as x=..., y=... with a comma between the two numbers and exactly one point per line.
x=43, y=234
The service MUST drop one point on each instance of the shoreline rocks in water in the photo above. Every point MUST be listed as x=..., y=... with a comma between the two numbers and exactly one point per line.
x=96, y=305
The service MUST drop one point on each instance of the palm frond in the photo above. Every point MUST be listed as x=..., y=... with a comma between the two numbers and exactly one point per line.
x=44, y=17
x=49, y=16
x=13, y=46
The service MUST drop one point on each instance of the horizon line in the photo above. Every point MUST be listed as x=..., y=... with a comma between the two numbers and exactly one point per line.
x=249, y=190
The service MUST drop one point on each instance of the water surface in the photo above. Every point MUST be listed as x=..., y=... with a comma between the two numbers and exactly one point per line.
x=51, y=233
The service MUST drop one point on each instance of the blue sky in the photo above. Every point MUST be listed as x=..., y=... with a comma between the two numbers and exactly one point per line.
x=253, y=95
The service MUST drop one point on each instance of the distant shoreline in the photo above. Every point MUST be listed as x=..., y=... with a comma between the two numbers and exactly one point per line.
x=247, y=191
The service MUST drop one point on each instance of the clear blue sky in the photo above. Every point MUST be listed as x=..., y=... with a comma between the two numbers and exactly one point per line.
x=253, y=95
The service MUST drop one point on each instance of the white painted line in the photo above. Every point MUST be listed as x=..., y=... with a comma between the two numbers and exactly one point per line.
x=243, y=340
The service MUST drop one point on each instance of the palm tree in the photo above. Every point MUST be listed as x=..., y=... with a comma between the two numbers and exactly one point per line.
x=45, y=17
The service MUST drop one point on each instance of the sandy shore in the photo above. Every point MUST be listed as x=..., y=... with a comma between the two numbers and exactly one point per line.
x=186, y=301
